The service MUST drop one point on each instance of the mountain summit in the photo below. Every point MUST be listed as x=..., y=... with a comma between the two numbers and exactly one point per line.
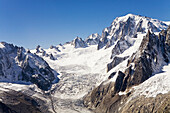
x=126, y=69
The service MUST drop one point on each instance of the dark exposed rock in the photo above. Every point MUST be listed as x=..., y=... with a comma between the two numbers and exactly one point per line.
x=120, y=47
x=93, y=39
x=112, y=75
x=78, y=43
x=128, y=26
x=127, y=103
x=94, y=99
x=115, y=62
x=159, y=104
x=139, y=27
x=17, y=65
x=119, y=82
x=40, y=50
x=145, y=61
x=52, y=57
x=165, y=36
x=153, y=53
x=17, y=102
x=5, y=109
x=37, y=49
x=103, y=40
x=56, y=48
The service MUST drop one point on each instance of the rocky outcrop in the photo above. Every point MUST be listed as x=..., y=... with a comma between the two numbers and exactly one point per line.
x=153, y=53
x=149, y=59
x=18, y=102
x=78, y=43
x=116, y=60
x=52, y=57
x=166, y=35
x=127, y=26
x=20, y=66
x=56, y=48
x=102, y=42
x=127, y=103
x=158, y=104
x=120, y=47
x=93, y=39
x=96, y=97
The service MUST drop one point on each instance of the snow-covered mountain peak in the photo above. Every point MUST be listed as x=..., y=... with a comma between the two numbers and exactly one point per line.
x=130, y=26
x=78, y=43
x=146, y=22
x=93, y=39
x=131, y=53
x=124, y=18
x=93, y=36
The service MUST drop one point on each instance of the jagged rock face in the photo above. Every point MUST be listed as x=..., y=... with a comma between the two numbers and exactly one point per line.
x=148, y=105
x=153, y=53
x=107, y=103
x=56, y=48
x=41, y=52
x=102, y=42
x=39, y=49
x=149, y=59
x=120, y=47
x=52, y=57
x=20, y=66
x=17, y=102
x=115, y=62
x=95, y=98
x=129, y=25
x=93, y=39
x=166, y=34
x=78, y=43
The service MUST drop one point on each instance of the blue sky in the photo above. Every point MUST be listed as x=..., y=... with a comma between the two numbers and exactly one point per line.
x=28, y=23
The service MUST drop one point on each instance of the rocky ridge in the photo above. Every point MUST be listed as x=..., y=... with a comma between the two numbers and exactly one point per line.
x=153, y=53
x=18, y=65
x=82, y=68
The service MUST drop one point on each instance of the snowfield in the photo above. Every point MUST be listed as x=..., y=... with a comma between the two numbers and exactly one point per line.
x=167, y=22
x=81, y=69
x=157, y=84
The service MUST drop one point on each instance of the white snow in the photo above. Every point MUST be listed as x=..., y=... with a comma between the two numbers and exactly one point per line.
x=82, y=69
x=86, y=68
x=133, y=48
x=1, y=45
x=157, y=84
x=122, y=93
x=167, y=22
x=94, y=36
x=137, y=19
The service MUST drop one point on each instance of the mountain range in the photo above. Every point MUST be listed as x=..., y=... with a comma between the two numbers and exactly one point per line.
x=126, y=69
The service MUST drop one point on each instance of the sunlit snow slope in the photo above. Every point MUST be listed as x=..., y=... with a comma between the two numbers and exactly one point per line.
x=82, y=64
x=80, y=69
x=157, y=84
